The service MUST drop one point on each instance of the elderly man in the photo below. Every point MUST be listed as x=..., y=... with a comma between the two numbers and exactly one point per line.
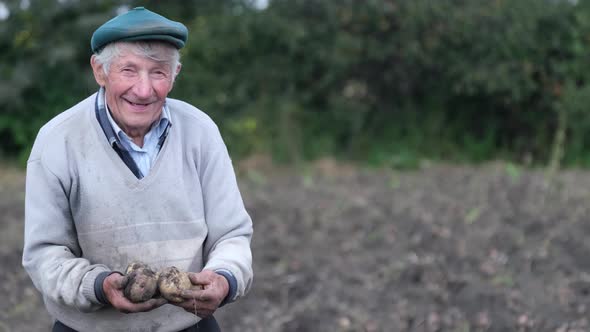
x=130, y=175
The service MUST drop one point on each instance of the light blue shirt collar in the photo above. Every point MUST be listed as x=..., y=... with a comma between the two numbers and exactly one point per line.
x=145, y=156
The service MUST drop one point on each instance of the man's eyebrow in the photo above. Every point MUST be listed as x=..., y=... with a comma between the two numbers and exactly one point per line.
x=127, y=64
x=163, y=64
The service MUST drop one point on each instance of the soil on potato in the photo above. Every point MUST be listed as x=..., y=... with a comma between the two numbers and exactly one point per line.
x=141, y=285
x=172, y=276
x=339, y=248
x=171, y=282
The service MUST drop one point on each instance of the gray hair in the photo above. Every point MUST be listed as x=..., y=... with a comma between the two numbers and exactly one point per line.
x=155, y=50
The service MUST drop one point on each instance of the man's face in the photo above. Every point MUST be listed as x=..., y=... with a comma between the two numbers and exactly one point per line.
x=136, y=88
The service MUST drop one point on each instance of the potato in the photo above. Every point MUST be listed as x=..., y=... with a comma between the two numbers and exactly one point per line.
x=171, y=282
x=142, y=284
x=135, y=266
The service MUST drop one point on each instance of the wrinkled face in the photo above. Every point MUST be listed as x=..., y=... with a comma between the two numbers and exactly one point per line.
x=136, y=88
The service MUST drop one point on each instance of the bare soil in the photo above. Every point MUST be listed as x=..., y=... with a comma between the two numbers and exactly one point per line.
x=341, y=248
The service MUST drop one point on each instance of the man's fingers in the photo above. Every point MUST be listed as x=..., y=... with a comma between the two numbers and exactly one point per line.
x=196, y=294
x=129, y=307
x=150, y=304
x=121, y=282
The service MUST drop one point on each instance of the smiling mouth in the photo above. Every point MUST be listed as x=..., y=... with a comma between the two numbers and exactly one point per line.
x=137, y=106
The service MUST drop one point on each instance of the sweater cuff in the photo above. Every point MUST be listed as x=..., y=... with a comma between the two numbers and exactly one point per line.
x=89, y=282
x=98, y=287
x=233, y=286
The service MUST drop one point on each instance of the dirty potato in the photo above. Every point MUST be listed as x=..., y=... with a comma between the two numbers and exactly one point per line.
x=171, y=282
x=142, y=284
x=134, y=266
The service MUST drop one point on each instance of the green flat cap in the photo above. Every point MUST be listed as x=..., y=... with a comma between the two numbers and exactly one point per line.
x=139, y=24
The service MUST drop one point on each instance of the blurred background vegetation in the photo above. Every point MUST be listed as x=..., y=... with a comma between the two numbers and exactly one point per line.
x=384, y=82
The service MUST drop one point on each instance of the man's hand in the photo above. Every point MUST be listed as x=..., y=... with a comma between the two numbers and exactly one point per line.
x=113, y=287
x=204, y=300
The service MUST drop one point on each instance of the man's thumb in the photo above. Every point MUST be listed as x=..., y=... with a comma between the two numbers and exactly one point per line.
x=119, y=281
x=198, y=279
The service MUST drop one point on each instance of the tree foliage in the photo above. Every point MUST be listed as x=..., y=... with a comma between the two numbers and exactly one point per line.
x=384, y=81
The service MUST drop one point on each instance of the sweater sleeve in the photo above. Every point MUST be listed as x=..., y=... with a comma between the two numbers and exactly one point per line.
x=227, y=246
x=51, y=254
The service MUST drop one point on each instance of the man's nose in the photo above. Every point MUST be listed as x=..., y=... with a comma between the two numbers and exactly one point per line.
x=143, y=86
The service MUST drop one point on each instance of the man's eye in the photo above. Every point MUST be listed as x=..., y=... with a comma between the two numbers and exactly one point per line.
x=159, y=74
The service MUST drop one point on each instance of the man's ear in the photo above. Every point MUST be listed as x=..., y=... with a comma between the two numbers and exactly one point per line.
x=97, y=70
x=175, y=75
x=178, y=69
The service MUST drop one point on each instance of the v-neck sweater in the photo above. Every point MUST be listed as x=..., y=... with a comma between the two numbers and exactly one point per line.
x=87, y=213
